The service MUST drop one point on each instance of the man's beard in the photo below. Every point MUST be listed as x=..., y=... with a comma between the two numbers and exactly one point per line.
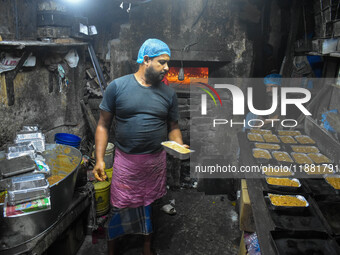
x=153, y=77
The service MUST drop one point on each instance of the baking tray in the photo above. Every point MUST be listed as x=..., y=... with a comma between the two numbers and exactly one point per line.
x=28, y=135
x=282, y=162
x=290, y=132
x=267, y=138
x=258, y=136
x=27, y=188
x=332, y=176
x=283, y=188
x=16, y=166
x=292, y=220
x=289, y=139
x=174, y=152
x=260, y=131
x=298, y=137
x=19, y=150
x=299, y=146
x=291, y=209
x=304, y=243
x=296, y=155
x=303, y=190
x=31, y=128
x=254, y=146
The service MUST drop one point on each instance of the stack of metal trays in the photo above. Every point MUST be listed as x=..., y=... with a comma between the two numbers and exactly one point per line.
x=27, y=188
x=16, y=166
x=20, y=150
x=37, y=139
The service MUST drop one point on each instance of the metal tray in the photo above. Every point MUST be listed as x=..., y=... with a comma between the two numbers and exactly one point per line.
x=267, y=138
x=257, y=146
x=175, y=153
x=37, y=143
x=252, y=137
x=287, y=137
x=282, y=162
x=301, y=146
x=28, y=135
x=16, y=166
x=260, y=131
x=27, y=188
x=19, y=150
x=31, y=128
x=298, y=154
x=332, y=176
x=320, y=155
x=289, y=208
x=306, y=137
x=284, y=188
x=288, y=132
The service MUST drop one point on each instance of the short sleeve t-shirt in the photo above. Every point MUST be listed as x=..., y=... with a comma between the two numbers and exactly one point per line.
x=142, y=113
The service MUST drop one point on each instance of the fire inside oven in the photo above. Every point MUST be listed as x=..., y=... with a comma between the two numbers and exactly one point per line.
x=199, y=73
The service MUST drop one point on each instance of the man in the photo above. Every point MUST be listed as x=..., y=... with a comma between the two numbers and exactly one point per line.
x=146, y=113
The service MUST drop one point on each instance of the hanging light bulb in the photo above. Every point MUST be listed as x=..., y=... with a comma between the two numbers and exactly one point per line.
x=181, y=72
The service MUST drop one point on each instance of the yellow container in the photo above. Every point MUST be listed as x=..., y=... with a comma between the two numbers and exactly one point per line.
x=102, y=195
x=109, y=174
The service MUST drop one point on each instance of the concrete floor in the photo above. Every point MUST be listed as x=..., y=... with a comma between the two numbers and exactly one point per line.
x=203, y=225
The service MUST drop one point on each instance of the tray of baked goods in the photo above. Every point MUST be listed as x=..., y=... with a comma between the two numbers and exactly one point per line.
x=284, y=185
x=176, y=150
x=298, y=212
x=303, y=243
x=284, y=137
x=286, y=203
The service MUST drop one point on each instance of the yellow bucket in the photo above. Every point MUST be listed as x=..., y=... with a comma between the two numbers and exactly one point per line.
x=109, y=174
x=102, y=194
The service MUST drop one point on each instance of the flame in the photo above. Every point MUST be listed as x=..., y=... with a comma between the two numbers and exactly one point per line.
x=199, y=73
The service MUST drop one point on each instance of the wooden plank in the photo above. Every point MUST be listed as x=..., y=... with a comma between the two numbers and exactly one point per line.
x=89, y=117
x=262, y=219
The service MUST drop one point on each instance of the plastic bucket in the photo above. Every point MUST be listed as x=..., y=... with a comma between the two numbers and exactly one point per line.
x=102, y=195
x=109, y=173
x=108, y=157
x=67, y=139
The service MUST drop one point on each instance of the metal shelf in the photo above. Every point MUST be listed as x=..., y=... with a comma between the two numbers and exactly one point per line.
x=24, y=44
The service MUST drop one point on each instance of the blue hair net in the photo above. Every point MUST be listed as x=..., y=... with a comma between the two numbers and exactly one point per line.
x=273, y=79
x=152, y=48
x=325, y=122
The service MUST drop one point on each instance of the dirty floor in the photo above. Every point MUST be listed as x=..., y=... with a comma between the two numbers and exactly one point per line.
x=203, y=225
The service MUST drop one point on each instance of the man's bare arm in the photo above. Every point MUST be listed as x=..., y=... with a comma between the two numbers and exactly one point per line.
x=175, y=133
x=102, y=136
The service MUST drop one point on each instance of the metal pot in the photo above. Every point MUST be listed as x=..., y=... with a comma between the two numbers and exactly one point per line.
x=15, y=232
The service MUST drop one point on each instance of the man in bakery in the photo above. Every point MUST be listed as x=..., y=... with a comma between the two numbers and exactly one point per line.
x=146, y=114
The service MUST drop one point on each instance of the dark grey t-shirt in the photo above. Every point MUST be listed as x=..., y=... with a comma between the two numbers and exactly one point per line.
x=141, y=113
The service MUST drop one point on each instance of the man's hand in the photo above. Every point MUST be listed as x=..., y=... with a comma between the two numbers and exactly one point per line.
x=99, y=172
